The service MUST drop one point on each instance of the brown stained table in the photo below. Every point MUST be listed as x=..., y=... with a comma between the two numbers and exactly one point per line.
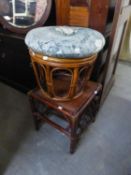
x=78, y=112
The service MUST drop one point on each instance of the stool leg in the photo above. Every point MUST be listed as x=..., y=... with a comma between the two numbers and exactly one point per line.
x=74, y=136
x=34, y=113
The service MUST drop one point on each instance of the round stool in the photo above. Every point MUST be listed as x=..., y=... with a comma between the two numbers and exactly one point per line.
x=63, y=58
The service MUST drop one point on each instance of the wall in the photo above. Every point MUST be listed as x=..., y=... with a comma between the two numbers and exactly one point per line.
x=125, y=53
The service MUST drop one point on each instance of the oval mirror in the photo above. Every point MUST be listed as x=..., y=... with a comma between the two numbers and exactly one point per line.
x=22, y=15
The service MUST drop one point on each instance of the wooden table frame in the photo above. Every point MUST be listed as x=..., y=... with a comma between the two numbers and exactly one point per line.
x=78, y=113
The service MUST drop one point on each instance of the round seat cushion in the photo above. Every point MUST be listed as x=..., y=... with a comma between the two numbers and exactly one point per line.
x=65, y=41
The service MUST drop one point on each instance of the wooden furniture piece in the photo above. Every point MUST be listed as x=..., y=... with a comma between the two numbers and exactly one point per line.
x=118, y=13
x=63, y=58
x=110, y=18
x=75, y=13
x=21, y=15
x=77, y=113
x=62, y=79
x=105, y=16
x=15, y=66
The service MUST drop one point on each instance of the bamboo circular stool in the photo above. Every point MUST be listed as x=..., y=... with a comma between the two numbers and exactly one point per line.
x=63, y=58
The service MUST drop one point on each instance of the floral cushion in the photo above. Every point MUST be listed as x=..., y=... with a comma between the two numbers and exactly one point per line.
x=65, y=41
